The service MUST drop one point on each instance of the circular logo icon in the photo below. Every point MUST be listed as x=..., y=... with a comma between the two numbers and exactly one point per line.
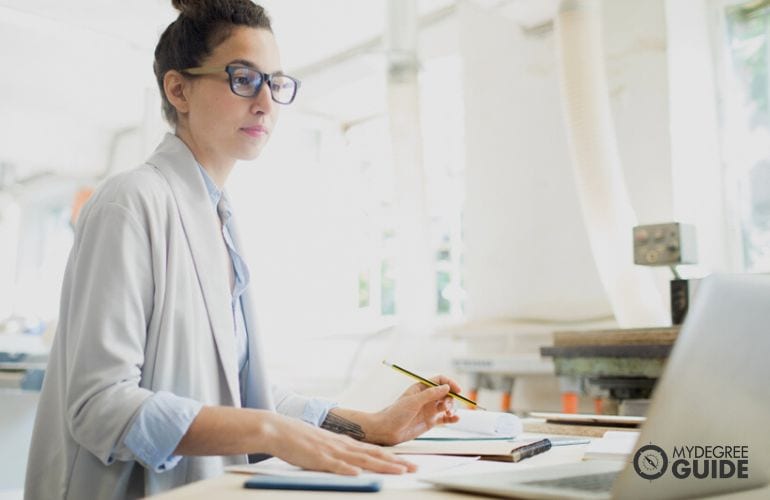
x=650, y=461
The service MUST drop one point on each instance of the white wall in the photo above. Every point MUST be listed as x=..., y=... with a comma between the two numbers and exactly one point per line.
x=528, y=254
x=65, y=89
x=636, y=49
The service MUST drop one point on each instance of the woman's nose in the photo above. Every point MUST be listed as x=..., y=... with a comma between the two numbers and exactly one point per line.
x=263, y=101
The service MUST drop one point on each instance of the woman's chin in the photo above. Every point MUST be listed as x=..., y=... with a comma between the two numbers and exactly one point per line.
x=249, y=153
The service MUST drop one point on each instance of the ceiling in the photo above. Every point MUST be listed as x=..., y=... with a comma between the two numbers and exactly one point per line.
x=79, y=70
x=307, y=30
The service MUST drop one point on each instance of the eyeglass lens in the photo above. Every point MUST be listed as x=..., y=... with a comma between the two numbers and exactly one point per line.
x=247, y=82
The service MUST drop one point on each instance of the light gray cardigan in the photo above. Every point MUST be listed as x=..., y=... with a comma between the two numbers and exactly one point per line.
x=145, y=307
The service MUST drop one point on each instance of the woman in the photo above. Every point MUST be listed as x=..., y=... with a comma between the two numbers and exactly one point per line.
x=155, y=377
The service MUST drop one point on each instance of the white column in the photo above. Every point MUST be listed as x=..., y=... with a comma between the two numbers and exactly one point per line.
x=415, y=288
x=606, y=206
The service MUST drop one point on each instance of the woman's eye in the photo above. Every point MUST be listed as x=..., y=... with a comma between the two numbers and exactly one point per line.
x=241, y=80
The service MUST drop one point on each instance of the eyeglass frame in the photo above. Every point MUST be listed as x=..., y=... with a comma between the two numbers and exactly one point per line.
x=265, y=77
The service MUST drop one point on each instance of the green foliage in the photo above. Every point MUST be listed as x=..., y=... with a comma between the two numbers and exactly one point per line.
x=748, y=31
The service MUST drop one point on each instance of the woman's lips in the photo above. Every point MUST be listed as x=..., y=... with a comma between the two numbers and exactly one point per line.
x=256, y=131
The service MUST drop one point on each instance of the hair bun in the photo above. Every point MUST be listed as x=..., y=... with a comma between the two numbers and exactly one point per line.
x=189, y=8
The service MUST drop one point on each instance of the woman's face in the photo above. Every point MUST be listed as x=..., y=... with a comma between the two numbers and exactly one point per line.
x=225, y=127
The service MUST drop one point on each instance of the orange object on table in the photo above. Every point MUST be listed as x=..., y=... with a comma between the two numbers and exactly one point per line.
x=569, y=402
x=505, y=403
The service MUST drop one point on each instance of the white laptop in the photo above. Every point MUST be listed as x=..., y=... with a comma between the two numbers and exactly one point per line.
x=713, y=400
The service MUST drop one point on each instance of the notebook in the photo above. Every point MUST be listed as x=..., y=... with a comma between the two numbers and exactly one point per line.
x=713, y=393
x=498, y=450
x=587, y=419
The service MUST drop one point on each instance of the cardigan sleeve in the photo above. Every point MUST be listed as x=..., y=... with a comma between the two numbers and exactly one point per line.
x=106, y=306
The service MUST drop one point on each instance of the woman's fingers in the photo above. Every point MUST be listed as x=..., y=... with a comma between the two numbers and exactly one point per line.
x=349, y=457
x=380, y=453
x=339, y=466
x=443, y=379
x=372, y=463
x=446, y=404
x=436, y=394
x=376, y=459
x=445, y=418
x=434, y=401
x=317, y=449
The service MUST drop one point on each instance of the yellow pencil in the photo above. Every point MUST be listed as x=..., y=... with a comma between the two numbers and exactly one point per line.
x=431, y=383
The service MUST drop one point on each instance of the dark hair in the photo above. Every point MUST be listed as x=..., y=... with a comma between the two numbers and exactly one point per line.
x=201, y=26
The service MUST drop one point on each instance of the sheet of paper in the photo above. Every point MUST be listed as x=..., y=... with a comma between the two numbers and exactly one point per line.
x=490, y=423
x=427, y=465
x=445, y=433
x=614, y=445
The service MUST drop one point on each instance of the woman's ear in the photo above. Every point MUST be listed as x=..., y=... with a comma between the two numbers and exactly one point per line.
x=175, y=87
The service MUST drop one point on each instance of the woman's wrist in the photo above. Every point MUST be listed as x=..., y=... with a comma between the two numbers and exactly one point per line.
x=376, y=429
x=267, y=432
x=360, y=425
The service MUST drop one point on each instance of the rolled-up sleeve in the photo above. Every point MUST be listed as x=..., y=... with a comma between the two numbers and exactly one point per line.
x=310, y=410
x=106, y=303
x=162, y=421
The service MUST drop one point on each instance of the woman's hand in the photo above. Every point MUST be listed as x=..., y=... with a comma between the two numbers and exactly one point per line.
x=312, y=448
x=417, y=410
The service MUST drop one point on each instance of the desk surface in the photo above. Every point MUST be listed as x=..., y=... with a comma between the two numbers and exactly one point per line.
x=230, y=486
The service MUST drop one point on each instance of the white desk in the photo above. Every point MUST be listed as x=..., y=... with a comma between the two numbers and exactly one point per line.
x=230, y=486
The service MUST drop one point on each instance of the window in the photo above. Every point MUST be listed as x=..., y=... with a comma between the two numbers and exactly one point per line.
x=745, y=113
x=443, y=153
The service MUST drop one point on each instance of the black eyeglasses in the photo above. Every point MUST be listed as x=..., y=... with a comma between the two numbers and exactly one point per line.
x=247, y=82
